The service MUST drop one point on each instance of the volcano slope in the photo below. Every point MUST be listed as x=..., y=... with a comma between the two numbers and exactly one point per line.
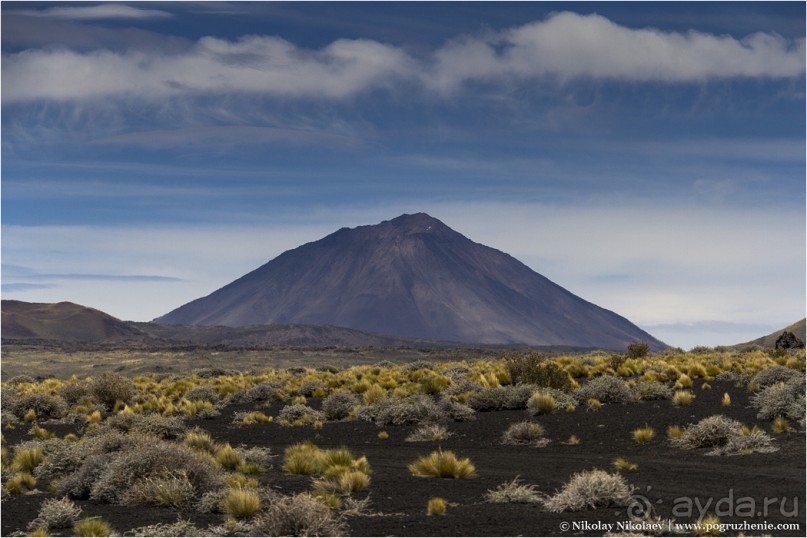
x=673, y=483
x=412, y=276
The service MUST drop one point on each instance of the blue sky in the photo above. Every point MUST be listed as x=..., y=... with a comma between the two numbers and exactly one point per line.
x=649, y=157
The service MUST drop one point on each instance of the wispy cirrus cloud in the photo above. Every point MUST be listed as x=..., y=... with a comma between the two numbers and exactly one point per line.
x=95, y=12
x=563, y=46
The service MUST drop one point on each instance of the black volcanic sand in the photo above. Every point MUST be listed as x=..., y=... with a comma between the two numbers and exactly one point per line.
x=398, y=500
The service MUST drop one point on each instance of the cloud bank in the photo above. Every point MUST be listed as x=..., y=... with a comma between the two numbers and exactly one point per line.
x=563, y=46
x=101, y=11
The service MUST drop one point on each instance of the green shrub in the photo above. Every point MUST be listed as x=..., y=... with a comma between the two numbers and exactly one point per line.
x=535, y=369
x=637, y=350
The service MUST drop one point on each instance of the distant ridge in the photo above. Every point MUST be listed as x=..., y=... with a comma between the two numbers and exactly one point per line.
x=412, y=276
x=65, y=322
x=769, y=341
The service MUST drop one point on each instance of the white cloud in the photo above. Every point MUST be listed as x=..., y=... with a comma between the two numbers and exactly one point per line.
x=100, y=11
x=563, y=46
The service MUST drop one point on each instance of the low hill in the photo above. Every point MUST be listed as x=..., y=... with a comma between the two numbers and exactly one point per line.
x=64, y=322
x=769, y=341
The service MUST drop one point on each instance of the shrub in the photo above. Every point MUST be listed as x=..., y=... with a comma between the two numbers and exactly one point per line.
x=541, y=403
x=56, y=514
x=773, y=375
x=590, y=490
x=242, y=503
x=436, y=507
x=428, y=432
x=643, y=435
x=653, y=390
x=110, y=387
x=455, y=411
x=342, y=481
x=92, y=526
x=525, y=433
x=111, y=474
x=419, y=364
x=153, y=424
x=203, y=393
x=299, y=414
x=607, y=389
x=43, y=405
x=297, y=515
x=442, y=465
x=169, y=489
x=513, y=492
x=535, y=369
x=747, y=442
x=709, y=432
x=779, y=399
x=410, y=410
x=262, y=392
x=682, y=398
x=637, y=350
x=338, y=405
x=77, y=392
x=178, y=528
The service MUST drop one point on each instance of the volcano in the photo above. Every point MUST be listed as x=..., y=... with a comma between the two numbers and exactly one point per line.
x=412, y=276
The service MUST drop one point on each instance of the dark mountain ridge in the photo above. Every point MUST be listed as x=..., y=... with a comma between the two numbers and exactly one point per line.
x=412, y=276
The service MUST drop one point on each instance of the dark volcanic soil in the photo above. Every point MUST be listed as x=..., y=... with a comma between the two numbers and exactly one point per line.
x=398, y=499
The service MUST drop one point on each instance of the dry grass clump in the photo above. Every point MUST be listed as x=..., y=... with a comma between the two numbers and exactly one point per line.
x=590, y=490
x=241, y=503
x=682, y=398
x=514, y=492
x=26, y=459
x=297, y=515
x=622, y=464
x=92, y=526
x=441, y=464
x=780, y=425
x=200, y=440
x=541, y=403
x=674, y=432
x=308, y=459
x=525, y=433
x=21, y=483
x=170, y=489
x=726, y=401
x=606, y=389
x=243, y=418
x=428, y=432
x=643, y=435
x=56, y=514
x=436, y=507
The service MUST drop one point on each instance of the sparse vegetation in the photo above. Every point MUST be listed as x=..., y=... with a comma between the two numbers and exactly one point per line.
x=442, y=465
x=643, y=435
x=436, y=506
x=590, y=490
x=514, y=491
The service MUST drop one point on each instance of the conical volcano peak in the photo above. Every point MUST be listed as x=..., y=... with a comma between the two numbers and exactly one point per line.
x=412, y=276
x=416, y=223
